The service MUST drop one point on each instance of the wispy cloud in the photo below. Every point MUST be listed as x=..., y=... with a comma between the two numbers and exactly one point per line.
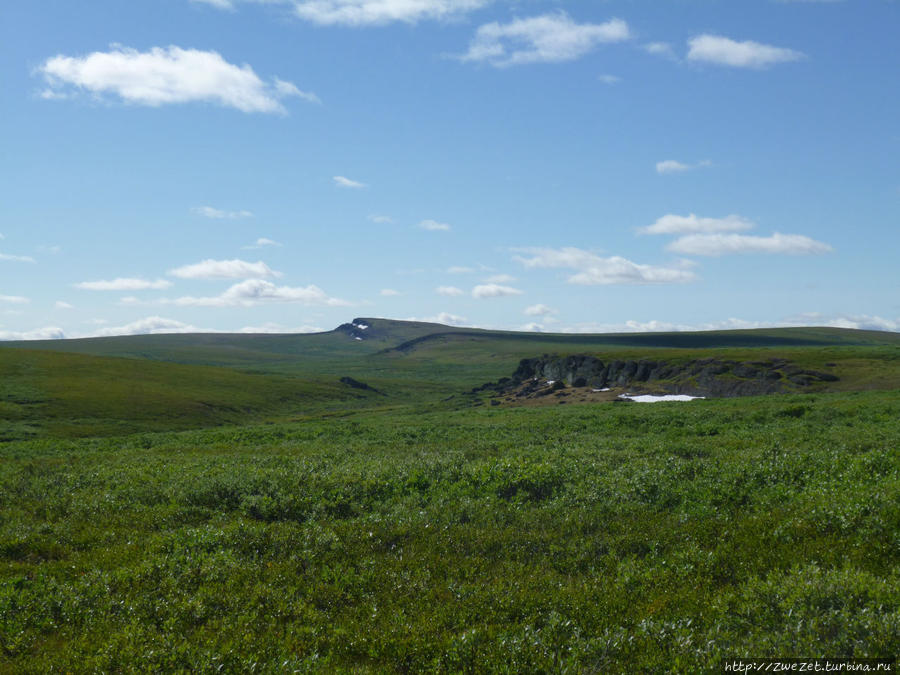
x=262, y=242
x=16, y=258
x=596, y=270
x=445, y=318
x=220, y=214
x=344, y=182
x=381, y=219
x=723, y=244
x=674, y=166
x=285, y=89
x=549, y=38
x=692, y=224
x=724, y=51
x=218, y=4
x=811, y=319
x=14, y=299
x=449, y=291
x=124, y=284
x=483, y=291
x=380, y=12
x=257, y=291
x=361, y=13
x=168, y=75
x=278, y=328
x=457, y=269
x=224, y=269
x=609, y=79
x=500, y=279
x=539, y=310
x=46, y=333
x=660, y=49
x=151, y=325
x=434, y=226
x=389, y=293
x=60, y=304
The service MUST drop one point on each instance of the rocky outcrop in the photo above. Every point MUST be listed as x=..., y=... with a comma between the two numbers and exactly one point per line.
x=700, y=377
x=358, y=329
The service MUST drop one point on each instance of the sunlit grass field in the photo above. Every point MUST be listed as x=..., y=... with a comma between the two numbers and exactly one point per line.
x=242, y=510
x=605, y=538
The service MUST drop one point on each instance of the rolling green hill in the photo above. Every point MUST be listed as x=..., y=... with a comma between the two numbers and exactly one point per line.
x=75, y=395
x=120, y=385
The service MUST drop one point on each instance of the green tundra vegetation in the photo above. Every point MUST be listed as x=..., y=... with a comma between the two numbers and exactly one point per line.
x=228, y=504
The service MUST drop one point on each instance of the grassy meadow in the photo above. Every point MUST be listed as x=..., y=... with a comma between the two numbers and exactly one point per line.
x=250, y=513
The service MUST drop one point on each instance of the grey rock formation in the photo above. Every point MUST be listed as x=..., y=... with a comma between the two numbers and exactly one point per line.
x=699, y=377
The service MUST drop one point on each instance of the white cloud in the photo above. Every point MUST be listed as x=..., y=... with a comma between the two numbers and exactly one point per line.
x=494, y=291
x=671, y=166
x=389, y=292
x=168, y=75
x=14, y=299
x=609, y=79
x=16, y=258
x=342, y=181
x=811, y=319
x=674, y=166
x=549, y=38
x=692, y=224
x=278, y=328
x=121, y=284
x=539, y=310
x=445, y=318
x=450, y=291
x=500, y=279
x=151, y=325
x=218, y=4
x=381, y=219
x=380, y=12
x=724, y=51
x=224, y=269
x=659, y=49
x=285, y=88
x=460, y=270
x=46, y=333
x=262, y=242
x=857, y=321
x=434, y=226
x=211, y=212
x=596, y=270
x=59, y=304
x=256, y=291
x=723, y=244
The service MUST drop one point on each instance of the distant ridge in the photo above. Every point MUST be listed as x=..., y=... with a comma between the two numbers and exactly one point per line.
x=404, y=336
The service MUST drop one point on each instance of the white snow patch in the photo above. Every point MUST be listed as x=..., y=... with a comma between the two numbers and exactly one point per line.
x=650, y=398
x=361, y=326
x=599, y=390
x=550, y=383
x=358, y=338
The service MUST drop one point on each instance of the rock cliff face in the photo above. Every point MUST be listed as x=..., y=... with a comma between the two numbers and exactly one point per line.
x=701, y=377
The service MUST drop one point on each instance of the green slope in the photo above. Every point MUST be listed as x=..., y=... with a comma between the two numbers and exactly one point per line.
x=85, y=387
x=77, y=395
x=265, y=351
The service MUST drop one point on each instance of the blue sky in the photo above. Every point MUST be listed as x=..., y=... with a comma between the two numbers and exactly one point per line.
x=287, y=165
